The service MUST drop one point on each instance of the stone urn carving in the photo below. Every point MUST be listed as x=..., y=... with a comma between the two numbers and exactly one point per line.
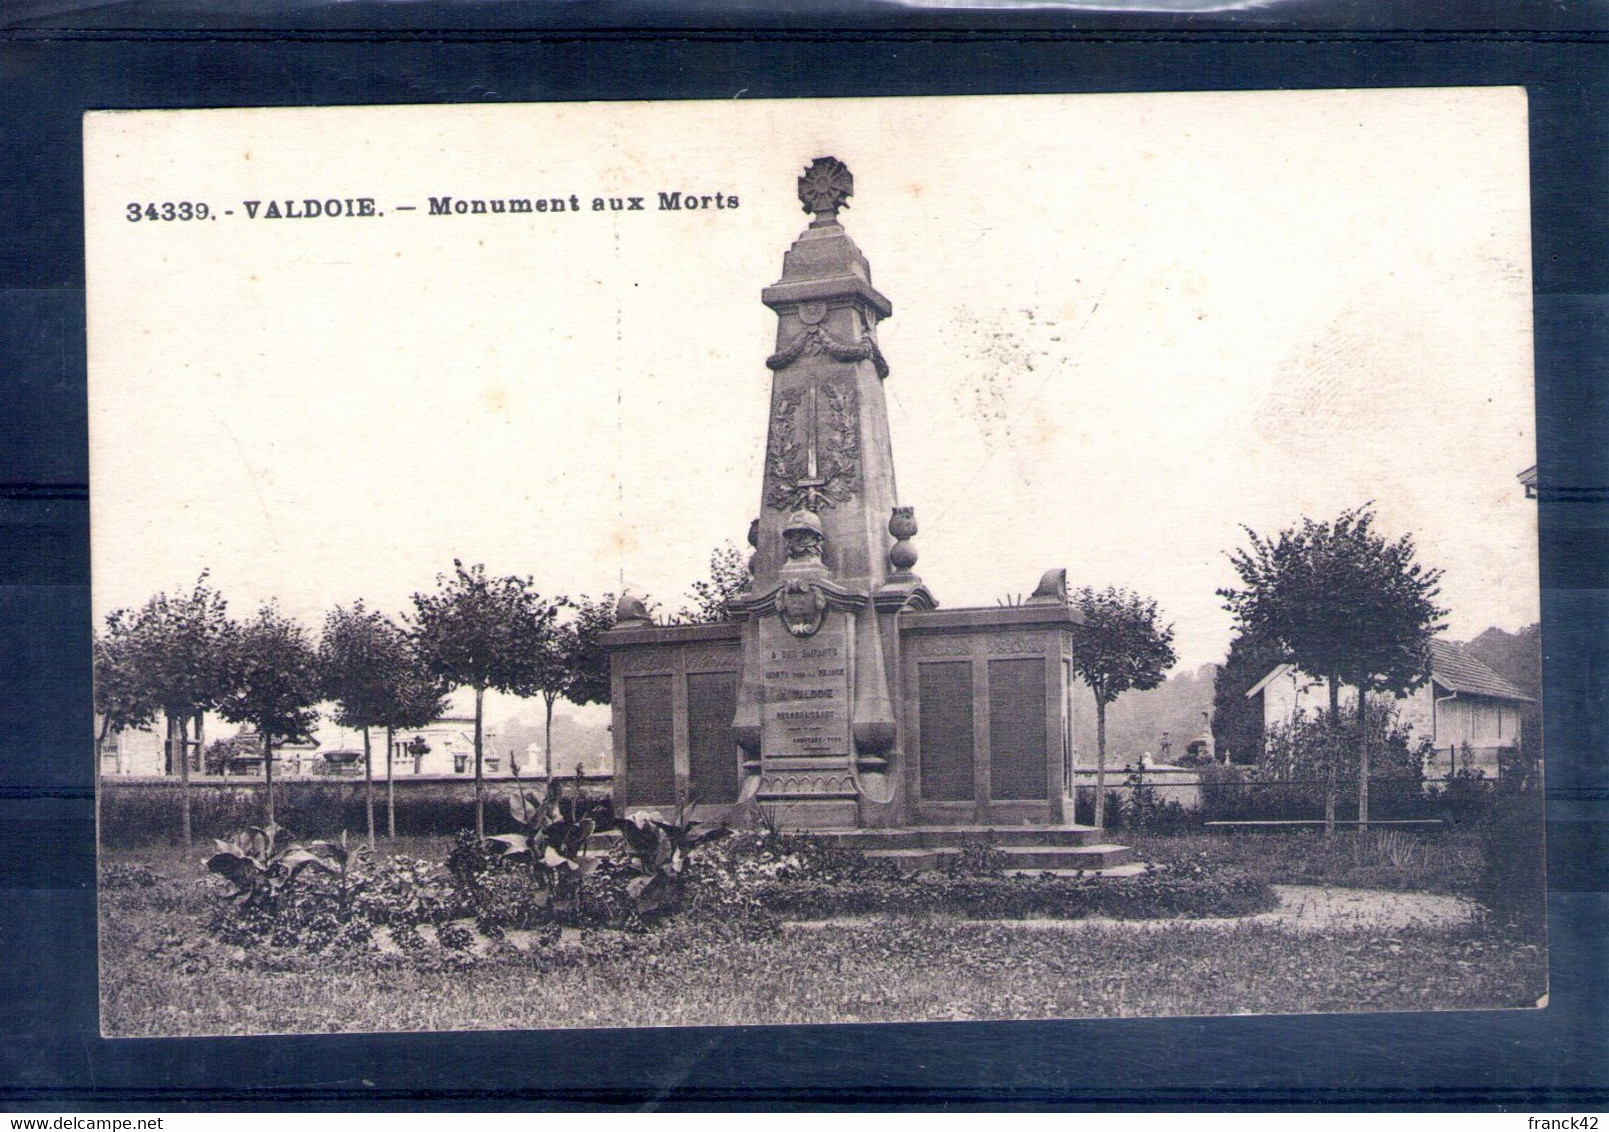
x=902, y=528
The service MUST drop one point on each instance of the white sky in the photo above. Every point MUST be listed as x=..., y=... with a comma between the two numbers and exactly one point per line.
x=1123, y=326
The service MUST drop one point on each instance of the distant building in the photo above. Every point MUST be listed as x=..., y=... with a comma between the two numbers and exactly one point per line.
x=444, y=748
x=142, y=752
x=1463, y=702
x=136, y=752
x=1527, y=480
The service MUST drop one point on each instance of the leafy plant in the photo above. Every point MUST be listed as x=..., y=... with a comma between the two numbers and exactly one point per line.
x=262, y=862
x=344, y=861
x=552, y=839
x=659, y=851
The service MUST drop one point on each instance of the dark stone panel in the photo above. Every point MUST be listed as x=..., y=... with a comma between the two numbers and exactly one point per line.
x=711, y=702
x=1017, y=728
x=650, y=751
x=944, y=700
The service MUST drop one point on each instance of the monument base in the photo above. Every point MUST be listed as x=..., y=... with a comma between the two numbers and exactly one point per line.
x=983, y=715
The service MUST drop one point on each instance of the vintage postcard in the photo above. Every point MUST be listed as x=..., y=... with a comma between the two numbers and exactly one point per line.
x=508, y=615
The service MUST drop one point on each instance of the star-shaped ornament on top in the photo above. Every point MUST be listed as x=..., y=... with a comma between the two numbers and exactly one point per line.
x=824, y=188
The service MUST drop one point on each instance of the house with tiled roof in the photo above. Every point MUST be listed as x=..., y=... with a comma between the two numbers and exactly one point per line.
x=1464, y=702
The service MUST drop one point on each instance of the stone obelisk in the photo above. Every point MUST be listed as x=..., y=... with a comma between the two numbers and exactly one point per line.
x=817, y=717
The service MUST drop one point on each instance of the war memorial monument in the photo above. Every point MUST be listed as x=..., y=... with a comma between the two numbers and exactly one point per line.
x=839, y=694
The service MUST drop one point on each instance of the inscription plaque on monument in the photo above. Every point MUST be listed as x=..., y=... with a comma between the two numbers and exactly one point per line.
x=807, y=702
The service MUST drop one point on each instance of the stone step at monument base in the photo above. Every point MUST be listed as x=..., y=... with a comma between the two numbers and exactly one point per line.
x=958, y=836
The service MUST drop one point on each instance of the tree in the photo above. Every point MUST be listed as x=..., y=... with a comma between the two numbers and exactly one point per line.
x=414, y=698
x=574, y=664
x=1344, y=604
x=177, y=649
x=1120, y=647
x=359, y=656
x=1237, y=723
x=123, y=698
x=729, y=577
x=585, y=657
x=551, y=678
x=483, y=633
x=584, y=660
x=274, y=673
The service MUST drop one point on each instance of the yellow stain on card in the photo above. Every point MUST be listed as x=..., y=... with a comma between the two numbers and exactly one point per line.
x=621, y=541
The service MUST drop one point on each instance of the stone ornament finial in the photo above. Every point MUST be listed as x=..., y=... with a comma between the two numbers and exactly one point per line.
x=631, y=610
x=902, y=528
x=825, y=187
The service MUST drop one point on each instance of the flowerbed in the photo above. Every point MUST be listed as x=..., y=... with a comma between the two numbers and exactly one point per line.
x=404, y=911
x=1185, y=890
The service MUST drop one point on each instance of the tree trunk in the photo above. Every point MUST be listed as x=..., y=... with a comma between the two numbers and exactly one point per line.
x=1332, y=747
x=1100, y=763
x=268, y=773
x=390, y=786
x=368, y=787
x=547, y=740
x=184, y=774
x=100, y=741
x=1363, y=760
x=480, y=798
x=201, y=742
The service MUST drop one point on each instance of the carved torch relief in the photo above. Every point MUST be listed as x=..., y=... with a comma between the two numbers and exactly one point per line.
x=813, y=460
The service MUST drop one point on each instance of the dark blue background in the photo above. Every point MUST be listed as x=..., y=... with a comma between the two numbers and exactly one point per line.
x=54, y=64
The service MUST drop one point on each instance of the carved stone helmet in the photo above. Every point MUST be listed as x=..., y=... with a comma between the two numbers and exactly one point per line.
x=803, y=520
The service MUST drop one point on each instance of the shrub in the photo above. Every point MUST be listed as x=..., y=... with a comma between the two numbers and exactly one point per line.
x=1465, y=798
x=404, y=890
x=455, y=937
x=978, y=857
x=1145, y=811
x=1513, y=878
x=1289, y=780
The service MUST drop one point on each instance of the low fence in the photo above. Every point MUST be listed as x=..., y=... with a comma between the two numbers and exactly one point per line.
x=139, y=812
x=1192, y=797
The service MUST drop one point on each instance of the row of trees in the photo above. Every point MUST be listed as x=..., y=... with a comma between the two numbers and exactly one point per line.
x=1337, y=599
x=183, y=657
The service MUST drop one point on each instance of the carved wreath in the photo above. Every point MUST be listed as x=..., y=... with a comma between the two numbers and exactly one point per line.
x=837, y=452
x=815, y=340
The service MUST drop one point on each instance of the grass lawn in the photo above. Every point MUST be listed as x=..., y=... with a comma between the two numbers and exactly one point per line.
x=1389, y=859
x=163, y=974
